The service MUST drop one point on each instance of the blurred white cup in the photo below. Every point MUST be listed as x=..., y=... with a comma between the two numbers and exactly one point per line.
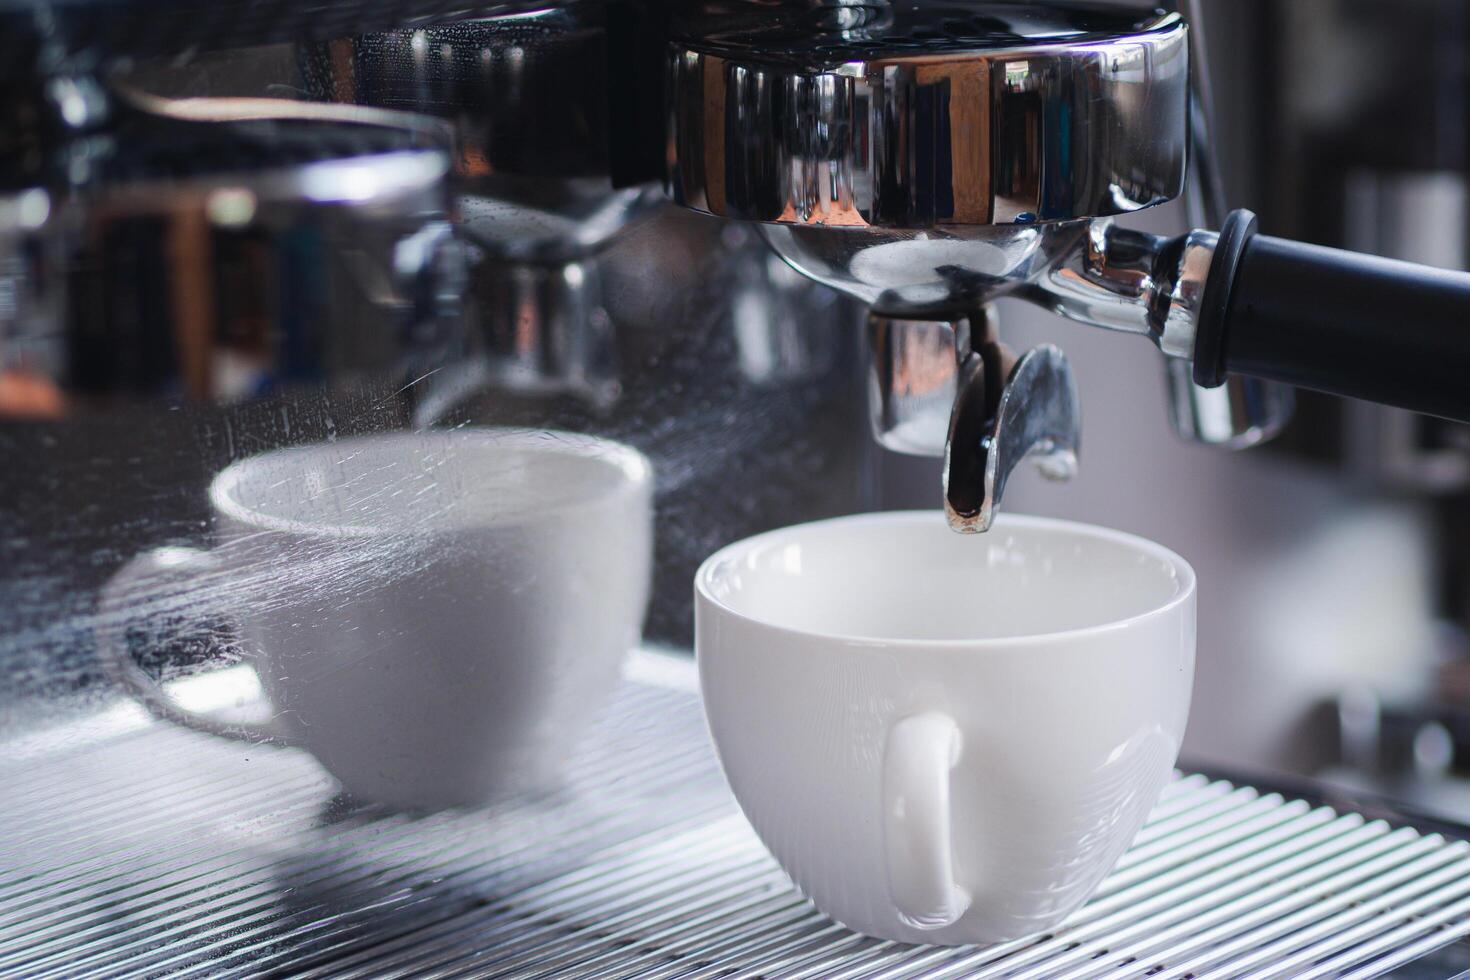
x=433, y=615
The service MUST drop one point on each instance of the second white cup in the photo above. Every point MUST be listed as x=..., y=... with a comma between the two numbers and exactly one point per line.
x=434, y=616
x=946, y=739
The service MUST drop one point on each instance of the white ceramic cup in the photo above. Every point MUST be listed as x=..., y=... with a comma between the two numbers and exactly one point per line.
x=946, y=738
x=432, y=615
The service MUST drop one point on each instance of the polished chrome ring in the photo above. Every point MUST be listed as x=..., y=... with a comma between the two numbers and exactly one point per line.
x=870, y=129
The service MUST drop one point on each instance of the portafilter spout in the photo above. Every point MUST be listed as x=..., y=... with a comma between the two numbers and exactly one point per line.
x=952, y=389
x=939, y=157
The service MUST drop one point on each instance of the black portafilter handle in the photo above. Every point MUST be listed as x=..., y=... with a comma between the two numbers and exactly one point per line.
x=1341, y=322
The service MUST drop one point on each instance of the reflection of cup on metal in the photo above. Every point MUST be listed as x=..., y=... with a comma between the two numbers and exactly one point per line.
x=432, y=615
x=946, y=739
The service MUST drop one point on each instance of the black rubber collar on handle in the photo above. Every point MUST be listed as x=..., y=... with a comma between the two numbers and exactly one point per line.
x=1209, y=335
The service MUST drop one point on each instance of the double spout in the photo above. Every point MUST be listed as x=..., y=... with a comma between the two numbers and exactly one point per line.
x=950, y=388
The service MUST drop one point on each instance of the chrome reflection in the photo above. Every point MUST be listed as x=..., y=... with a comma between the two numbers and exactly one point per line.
x=926, y=273
x=1242, y=412
x=821, y=129
x=913, y=383
x=32, y=358
x=527, y=97
x=226, y=248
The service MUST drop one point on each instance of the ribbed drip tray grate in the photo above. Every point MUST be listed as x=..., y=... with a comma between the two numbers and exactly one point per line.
x=150, y=851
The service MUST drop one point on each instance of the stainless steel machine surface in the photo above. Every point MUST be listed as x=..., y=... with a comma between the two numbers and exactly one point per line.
x=154, y=857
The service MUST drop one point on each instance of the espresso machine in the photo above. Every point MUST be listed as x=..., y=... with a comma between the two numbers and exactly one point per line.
x=761, y=245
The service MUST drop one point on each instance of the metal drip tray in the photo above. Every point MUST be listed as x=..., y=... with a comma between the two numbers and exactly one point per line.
x=133, y=849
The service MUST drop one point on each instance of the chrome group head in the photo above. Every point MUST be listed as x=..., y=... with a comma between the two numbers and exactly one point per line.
x=929, y=159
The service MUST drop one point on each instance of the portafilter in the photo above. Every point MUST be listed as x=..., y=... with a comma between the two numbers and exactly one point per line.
x=928, y=157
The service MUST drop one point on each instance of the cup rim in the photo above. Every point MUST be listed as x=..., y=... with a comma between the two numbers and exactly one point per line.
x=634, y=466
x=704, y=577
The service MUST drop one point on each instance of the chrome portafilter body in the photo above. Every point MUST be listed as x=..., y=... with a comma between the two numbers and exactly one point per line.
x=1012, y=114
x=928, y=158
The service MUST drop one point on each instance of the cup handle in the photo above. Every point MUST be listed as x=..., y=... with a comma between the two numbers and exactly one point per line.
x=920, y=752
x=114, y=607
